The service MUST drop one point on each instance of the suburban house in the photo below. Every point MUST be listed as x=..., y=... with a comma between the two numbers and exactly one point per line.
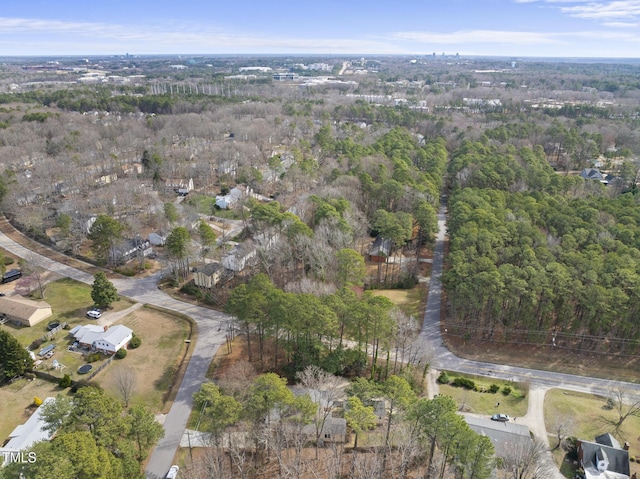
x=131, y=249
x=24, y=311
x=224, y=202
x=25, y=436
x=102, y=338
x=237, y=259
x=208, y=275
x=180, y=186
x=380, y=250
x=510, y=440
x=157, y=239
x=595, y=174
x=604, y=458
x=334, y=429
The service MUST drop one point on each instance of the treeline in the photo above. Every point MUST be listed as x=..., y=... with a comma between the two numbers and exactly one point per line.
x=537, y=256
x=259, y=427
x=102, y=99
x=95, y=436
x=304, y=329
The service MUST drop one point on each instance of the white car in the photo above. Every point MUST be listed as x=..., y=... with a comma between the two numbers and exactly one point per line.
x=94, y=313
x=173, y=472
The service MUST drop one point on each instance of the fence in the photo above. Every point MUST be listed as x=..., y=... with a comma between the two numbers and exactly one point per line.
x=60, y=327
x=102, y=366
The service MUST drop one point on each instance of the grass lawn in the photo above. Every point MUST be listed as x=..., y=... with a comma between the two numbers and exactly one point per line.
x=410, y=301
x=155, y=362
x=515, y=404
x=69, y=300
x=585, y=414
x=16, y=399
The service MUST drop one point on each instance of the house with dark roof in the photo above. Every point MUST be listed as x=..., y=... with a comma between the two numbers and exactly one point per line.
x=209, y=275
x=380, y=250
x=596, y=175
x=604, y=458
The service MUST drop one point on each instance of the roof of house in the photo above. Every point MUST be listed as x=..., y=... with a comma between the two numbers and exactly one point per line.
x=592, y=174
x=210, y=268
x=26, y=435
x=505, y=436
x=380, y=247
x=20, y=307
x=90, y=333
x=618, y=457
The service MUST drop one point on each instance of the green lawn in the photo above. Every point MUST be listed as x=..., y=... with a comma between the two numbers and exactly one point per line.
x=584, y=418
x=69, y=300
x=515, y=404
x=410, y=301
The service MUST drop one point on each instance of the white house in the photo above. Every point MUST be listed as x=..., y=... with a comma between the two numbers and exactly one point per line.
x=224, y=202
x=237, y=259
x=102, y=338
x=25, y=436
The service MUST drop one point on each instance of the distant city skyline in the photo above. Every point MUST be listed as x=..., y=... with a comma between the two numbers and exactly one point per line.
x=518, y=28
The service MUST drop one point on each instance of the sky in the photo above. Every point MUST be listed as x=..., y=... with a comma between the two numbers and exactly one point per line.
x=515, y=28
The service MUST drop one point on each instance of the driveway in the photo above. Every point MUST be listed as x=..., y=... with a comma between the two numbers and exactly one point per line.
x=145, y=291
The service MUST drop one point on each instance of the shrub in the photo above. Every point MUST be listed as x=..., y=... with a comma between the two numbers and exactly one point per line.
x=135, y=342
x=443, y=378
x=465, y=383
x=37, y=401
x=93, y=357
x=494, y=388
x=121, y=353
x=8, y=260
x=36, y=343
x=506, y=390
x=65, y=382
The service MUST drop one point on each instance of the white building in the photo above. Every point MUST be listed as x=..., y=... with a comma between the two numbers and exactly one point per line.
x=102, y=338
x=25, y=436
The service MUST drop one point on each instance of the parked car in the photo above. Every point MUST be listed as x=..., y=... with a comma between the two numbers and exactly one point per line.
x=94, y=313
x=173, y=472
x=500, y=417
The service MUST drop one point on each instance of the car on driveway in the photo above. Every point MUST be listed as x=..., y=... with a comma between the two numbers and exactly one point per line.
x=500, y=417
x=94, y=313
x=173, y=472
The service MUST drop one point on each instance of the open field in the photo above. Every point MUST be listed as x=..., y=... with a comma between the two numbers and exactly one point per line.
x=515, y=404
x=154, y=365
x=16, y=399
x=411, y=301
x=584, y=416
x=155, y=362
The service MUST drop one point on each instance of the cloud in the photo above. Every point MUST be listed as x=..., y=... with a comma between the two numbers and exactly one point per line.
x=604, y=10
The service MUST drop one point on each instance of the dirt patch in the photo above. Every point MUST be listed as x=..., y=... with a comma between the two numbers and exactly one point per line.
x=156, y=363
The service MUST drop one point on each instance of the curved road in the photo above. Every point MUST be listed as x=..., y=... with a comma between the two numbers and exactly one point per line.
x=210, y=337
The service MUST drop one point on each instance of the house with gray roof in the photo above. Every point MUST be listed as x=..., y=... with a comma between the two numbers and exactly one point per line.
x=25, y=436
x=105, y=339
x=603, y=458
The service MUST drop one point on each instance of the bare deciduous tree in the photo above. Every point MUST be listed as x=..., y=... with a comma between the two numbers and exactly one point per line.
x=125, y=382
x=624, y=404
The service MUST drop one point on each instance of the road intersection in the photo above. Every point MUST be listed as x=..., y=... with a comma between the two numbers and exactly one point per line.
x=211, y=334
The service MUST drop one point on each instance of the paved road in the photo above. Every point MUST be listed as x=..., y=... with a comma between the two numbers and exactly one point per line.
x=210, y=337
x=444, y=359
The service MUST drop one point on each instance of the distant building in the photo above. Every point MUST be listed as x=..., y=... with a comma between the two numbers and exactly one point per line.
x=380, y=250
x=288, y=76
x=209, y=275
